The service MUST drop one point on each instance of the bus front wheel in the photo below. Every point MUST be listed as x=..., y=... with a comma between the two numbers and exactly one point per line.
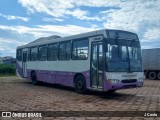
x=80, y=84
x=34, y=78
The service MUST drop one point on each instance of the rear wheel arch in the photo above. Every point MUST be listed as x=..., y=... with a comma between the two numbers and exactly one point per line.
x=34, y=77
x=32, y=71
x=76, y=75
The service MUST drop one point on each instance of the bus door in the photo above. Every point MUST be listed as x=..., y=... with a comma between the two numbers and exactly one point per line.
x=24, y=64
x=97, y=65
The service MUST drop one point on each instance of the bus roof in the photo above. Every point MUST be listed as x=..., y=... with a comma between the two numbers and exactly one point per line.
x=56, y=38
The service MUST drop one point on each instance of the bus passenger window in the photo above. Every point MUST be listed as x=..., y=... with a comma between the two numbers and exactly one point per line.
x=68, y=50
x=42, y=53
x=64, y=51
x=19, y=55
x=52, y=52
x=33, y=54
x=80, y=50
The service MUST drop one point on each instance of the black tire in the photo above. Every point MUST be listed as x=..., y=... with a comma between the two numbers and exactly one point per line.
x=110, y=91
x=152, y=75
x=80, y=84
x=34, y=78
x=158, y=76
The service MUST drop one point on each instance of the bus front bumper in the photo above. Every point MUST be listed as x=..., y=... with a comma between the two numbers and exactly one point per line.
x=118, y=86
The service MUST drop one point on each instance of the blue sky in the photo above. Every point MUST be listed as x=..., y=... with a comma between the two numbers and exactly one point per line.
x=22, y=21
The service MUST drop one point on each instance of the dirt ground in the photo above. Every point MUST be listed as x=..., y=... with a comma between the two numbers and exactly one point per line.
x=17, y=94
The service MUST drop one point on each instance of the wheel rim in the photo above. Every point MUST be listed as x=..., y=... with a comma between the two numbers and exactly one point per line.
x=79, y=84
x=152, y=75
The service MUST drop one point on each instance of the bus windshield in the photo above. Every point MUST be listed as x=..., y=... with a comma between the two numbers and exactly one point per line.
x=123, y=58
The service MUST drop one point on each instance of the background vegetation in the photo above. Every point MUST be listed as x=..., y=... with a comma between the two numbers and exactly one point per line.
x=7, y=69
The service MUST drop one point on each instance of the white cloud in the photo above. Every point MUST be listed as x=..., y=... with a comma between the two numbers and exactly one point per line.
x=57, y=8
x=82, y=15
x=11, y=17
x=8, y=46
x=108, y=11
x=140, y=16
x=52, y=19
x=152, y=34
x=66, y=30
x=47, y=30
x=98, y=3
x=95, y=26
x=129, y=15
x=134, y=15
x=17, y=42
x=38, y=31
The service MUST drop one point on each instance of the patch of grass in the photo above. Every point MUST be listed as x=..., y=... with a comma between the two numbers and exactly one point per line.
x=7, y=75
x=7, y=70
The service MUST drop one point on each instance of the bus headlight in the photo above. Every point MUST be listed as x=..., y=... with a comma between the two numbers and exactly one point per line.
x=140, y=80
x=114, y=81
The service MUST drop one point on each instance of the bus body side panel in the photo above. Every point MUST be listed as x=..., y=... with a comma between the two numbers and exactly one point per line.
x=47, y=71
x=31, y=66
x=19, y=70
x=59, y=77
x=68, y=69
x=60, y=72
x=88, y=79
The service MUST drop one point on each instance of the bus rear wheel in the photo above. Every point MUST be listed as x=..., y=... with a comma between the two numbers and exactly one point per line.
x=80, y=84
x=152, y=75
x=111, y=91
x=158, y=76
x=34, y=78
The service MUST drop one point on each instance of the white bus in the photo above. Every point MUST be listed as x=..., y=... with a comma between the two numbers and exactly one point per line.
x=106, y=60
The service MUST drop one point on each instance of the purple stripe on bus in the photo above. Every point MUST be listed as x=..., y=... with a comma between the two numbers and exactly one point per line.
x=59, y=77
x=67, y=78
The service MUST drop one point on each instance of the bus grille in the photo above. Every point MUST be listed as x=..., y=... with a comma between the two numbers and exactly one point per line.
x=129, y=80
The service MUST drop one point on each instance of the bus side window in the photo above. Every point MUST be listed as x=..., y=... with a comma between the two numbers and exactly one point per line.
x=42, y=53
x=64, y=51
x=52, y=52
x=33, y=55
x=80, y=49
x=19, y=55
